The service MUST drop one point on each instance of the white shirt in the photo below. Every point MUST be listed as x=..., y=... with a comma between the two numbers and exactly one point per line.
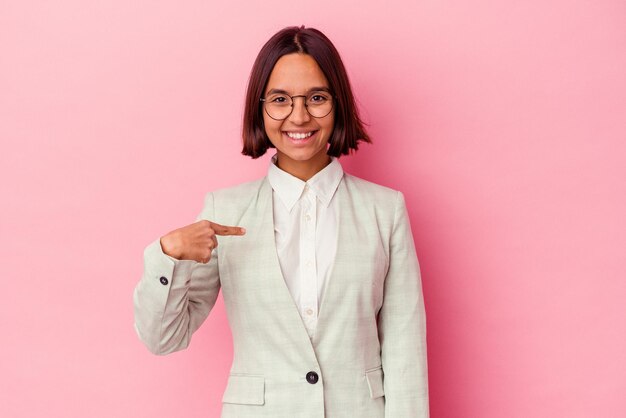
x=305, y=231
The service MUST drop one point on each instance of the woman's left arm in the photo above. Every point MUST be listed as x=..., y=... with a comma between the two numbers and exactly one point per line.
x=402, y=325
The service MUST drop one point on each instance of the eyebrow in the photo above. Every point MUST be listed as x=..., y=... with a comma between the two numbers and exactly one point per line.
x=320, y=88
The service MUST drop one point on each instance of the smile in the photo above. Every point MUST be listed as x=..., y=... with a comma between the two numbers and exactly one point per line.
x=299, y=135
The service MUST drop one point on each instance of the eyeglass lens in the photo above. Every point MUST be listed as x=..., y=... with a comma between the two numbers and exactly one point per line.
x=279, y=105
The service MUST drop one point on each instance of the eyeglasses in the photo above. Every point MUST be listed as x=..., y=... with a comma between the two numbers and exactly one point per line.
x=279, y=106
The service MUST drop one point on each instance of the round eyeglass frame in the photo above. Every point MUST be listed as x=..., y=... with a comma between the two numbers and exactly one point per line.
x=306, y=106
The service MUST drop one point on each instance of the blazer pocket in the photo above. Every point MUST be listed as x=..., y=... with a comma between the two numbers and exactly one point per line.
x=245, y=389
x=375, y=379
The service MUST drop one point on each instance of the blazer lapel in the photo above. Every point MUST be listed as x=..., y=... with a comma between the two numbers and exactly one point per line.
x=346, y=233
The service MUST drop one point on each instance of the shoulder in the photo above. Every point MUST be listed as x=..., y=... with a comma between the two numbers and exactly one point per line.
x=370, y=190
x=367, y=186
x=382, y=200
x=231, y=199
x=239, y=191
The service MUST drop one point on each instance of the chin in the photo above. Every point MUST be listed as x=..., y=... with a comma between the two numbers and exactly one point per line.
x=302, y=157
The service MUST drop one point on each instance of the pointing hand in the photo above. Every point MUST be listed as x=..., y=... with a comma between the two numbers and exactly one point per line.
x=196, y=241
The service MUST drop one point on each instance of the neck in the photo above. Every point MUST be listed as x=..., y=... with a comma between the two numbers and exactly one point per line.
x=303, y=170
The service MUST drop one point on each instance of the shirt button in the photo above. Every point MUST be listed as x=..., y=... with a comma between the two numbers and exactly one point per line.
x=307, y=217
x=309, y=263
x=163, y=281
x=309, y=311
x=312, y=377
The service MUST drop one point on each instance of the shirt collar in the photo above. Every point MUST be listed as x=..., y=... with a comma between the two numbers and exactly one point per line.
x=289, y=188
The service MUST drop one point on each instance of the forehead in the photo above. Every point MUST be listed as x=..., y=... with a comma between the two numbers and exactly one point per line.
x=296, y=73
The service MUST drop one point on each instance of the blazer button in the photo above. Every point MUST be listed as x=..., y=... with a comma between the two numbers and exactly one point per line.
x=312, y=377
x=163, y=280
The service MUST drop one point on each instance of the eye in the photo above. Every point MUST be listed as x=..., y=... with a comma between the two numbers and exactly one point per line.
x=318, y=98
x=278, y=99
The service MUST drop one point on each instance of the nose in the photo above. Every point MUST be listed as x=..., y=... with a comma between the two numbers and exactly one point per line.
x=299, y=114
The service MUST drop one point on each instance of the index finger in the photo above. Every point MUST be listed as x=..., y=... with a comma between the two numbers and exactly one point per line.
x=227, y=230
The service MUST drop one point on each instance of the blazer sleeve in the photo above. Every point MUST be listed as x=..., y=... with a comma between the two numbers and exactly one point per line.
x=402, y=325
x=174, y=297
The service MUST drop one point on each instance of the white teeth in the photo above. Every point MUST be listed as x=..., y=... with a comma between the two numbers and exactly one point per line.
x=298, y=135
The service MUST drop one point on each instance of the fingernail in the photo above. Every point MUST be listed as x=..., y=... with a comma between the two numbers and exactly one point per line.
x=243, y=230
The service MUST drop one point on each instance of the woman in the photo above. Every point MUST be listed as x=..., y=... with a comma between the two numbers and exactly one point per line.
x=318, y=268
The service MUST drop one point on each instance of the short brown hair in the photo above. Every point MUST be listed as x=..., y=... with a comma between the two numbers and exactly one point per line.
x=348, y=130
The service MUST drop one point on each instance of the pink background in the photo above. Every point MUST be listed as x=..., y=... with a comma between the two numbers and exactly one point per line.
x=502, y=122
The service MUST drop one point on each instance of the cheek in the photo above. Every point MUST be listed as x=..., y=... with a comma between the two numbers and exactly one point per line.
x=329, y=125
x=270, y=125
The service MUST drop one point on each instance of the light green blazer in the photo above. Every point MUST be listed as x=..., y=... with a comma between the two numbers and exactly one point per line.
x=367, y=358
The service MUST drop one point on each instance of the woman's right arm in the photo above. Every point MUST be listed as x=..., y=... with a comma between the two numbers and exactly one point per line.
x=180, y=283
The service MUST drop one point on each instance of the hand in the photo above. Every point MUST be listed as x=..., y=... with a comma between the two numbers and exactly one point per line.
x=196, y=241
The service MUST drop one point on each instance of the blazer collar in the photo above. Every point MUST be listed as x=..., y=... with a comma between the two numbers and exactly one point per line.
x=289, y=188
